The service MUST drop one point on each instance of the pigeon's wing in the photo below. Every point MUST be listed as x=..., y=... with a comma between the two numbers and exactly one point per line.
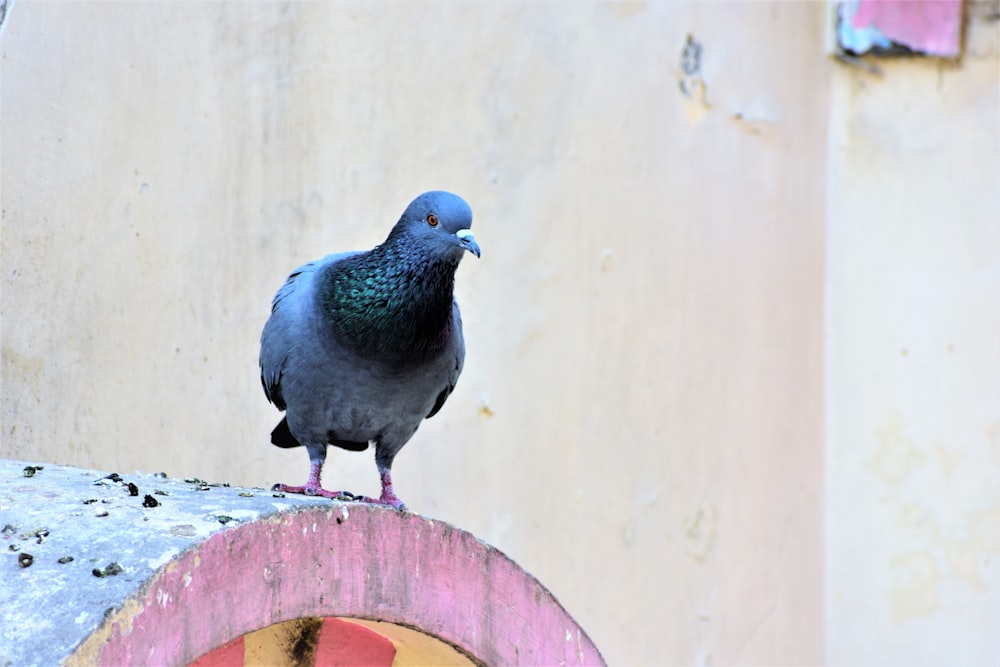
x=288, y=313
x=458, y=354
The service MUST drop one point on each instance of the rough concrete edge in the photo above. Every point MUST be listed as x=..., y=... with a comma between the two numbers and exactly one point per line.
x=88, y=651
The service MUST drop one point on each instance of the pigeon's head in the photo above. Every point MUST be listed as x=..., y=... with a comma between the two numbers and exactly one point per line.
x=441, y=221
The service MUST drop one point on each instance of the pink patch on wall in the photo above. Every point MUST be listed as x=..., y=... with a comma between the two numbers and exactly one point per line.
x=344, y=644
x=230, y=655
x=933, y=27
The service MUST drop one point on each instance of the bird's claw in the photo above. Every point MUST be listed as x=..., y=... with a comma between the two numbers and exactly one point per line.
x=315, y=491
x=385, y=501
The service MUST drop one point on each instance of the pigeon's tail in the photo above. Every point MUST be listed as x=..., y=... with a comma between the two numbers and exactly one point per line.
x=282, y=437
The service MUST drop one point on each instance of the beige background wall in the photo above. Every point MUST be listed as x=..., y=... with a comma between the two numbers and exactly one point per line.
x=664, y=278
x=913, y=360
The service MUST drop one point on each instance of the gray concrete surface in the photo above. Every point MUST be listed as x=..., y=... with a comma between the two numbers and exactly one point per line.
x=56, y=513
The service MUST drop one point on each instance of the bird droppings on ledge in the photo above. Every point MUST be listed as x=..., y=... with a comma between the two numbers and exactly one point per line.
x=122, y=536
x=108, y=480
x=110, y=570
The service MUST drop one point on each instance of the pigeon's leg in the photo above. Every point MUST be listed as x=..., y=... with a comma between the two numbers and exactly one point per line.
x=312, y=486
x=388, y=496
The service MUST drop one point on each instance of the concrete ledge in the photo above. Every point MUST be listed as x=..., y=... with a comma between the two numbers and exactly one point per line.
x=165, y=571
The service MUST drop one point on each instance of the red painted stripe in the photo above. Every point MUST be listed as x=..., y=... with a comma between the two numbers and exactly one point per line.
x=343, y=644
x=229, y=655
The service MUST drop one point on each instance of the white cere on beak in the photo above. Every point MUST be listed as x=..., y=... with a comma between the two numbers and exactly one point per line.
x=468, y=241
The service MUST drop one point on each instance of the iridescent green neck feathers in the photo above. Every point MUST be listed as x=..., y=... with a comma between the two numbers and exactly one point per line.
x=389, y=303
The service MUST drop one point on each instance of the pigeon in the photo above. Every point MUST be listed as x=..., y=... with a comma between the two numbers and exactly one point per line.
x=361, y=347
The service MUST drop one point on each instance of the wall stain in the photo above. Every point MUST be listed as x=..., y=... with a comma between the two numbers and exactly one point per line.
x=947, y=458
x=626, y=9
x=957, y=559
x=917, y=595
x=993, y=436
x=700, y=531
x=895, y=455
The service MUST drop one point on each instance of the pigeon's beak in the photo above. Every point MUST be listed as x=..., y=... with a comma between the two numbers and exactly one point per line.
x=468, y=241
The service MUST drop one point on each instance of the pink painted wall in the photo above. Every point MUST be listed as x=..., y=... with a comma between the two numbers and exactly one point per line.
x=346, y=560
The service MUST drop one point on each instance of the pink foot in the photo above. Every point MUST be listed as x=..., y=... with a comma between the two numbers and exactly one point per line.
x=388, y=499
x=388, y=496
x=314, y=490
x=313, y=487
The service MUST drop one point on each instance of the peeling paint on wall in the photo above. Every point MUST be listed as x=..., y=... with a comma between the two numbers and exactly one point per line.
x=691, y=84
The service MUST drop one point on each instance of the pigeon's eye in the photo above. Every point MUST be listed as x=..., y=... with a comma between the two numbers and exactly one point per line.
x=432, y=220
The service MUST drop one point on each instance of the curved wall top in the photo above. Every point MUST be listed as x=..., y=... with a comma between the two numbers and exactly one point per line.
x=164, y=571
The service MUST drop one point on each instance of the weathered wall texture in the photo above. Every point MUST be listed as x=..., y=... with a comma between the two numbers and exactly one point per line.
x=913, y=360
x=640, y=422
